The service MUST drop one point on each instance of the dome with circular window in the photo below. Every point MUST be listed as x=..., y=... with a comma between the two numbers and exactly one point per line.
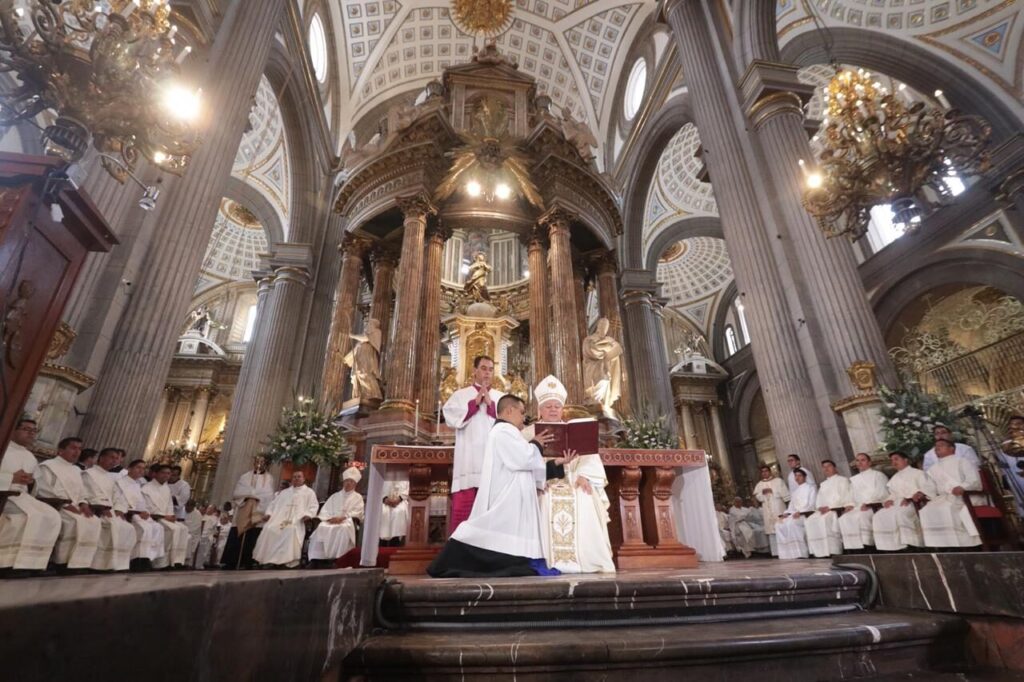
x=636, y=86
x=318, y=48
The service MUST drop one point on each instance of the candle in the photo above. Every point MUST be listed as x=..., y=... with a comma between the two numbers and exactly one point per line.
x=181, y=55
x=942, y=99
x=416, y=424
x=438, y=417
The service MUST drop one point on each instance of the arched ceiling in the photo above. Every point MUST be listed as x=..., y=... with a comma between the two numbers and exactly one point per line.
x=234, y=248
x=694, y=272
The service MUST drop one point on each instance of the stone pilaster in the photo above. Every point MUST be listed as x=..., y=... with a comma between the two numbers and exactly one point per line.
x=332, y=391
x=200, y=408
x=689, y=433
x=645, y=347
x=565, y=330
x=127, y=395
x=384, y=259
x=427, y=364
x=537, y=254
x=400, y=370
x=327, y=268
x=605, y=269
x=721, y=443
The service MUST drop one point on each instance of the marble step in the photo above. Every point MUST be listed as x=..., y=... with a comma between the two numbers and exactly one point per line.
x=639, y=595
x=860, y=645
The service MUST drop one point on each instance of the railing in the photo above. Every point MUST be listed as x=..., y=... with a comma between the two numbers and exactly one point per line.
x=989, y=370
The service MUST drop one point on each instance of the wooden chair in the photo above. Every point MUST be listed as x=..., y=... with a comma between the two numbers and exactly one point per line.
x=990, y=519
x=4, y=494
x=55, y=502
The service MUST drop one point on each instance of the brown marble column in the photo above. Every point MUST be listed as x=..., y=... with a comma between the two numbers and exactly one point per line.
x=604, y=267
x=400, y=370
x=384, y=260
x=565, y=330
x=537, y=254
x=429, y=359
x=352, y=248
x=579, y=285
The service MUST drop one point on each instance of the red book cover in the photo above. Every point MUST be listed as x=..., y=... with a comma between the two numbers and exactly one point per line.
x=580, y=435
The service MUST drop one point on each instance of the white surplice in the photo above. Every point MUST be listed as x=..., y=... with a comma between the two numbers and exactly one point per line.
x=961, y=451
x=394, y=521
x=79, y=534
x=773, y=504
x=117, y=537
x=207, y=532
x=945, y=520
x=149, y=534
x=897, y=526
x=790, y=532
x=28, y=528
x=866, y=487
x=194, y=523
x=725, y=531
x=158, y=499
x=470, y=435
x=791, y=480
x=332, y=540
x=746, y=531
x=280, y=543
x=182, y=493
x=823, y=536
x=506, y=514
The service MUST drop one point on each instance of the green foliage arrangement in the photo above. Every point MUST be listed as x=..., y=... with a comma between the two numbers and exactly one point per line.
x=646, y=430
x=908, y=417
x=307, y=435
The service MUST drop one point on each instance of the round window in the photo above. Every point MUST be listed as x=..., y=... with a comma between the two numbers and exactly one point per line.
x=318, y=48
x=635, y=88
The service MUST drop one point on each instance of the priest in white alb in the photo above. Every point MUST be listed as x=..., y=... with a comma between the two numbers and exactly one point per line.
x=897, y=524
x=336, y=533
x=793, y=460
x=868, y=491
x=773, y=494
x=471, y=411
x=117, y=537
x=822, y=527
x=962, y=450
x=28, y=527
x=161, y=507
x=149, y=534
x=747, y=536
x=280, y=543
x=253, y=493
x=394, y=511
x=790, y=530
x=60, y=479
x=945, y=520
x=574, y=509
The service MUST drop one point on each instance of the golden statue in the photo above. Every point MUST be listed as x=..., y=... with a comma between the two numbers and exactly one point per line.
x=518, y=387
x=449, y=384
x=476, y=279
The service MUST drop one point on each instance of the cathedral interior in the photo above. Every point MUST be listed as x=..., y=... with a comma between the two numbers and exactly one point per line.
x=340, y=204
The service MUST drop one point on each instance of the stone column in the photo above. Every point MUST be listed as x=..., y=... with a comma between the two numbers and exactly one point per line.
x=721, y=444
x=400, y=370
x=537, y=254
x=384, y=260
x=265, y=381
x=579, y=280
x=200, y=407
x=127, y=395
x=689, y=433
x=645, y=347
x=428, y=362
x=794, y=414
x=565, y=330
x=352, y=248
x=604, y=267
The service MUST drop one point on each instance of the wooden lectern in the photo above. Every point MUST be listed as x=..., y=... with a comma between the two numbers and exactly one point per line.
x=46, y=229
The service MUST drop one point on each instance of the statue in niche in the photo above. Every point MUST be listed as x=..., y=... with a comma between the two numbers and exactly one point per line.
x=602, y=368
x=449, y=384
x=364, y=359
x=476, y=279
x=200, y=321
x=517, y=386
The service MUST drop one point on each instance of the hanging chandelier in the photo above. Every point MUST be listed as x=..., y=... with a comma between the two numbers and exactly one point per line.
x=879, y=148
x=103, y=72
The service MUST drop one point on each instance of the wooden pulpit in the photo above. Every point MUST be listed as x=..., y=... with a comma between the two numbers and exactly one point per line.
x=47, y=227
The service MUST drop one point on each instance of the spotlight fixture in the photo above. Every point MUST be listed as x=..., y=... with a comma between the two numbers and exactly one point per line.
x=473, y=188
x=147, y=202
x=502, y=191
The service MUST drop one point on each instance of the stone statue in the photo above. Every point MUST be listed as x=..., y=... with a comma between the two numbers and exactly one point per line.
x=476, y=279
x=199, y=321
x=602, y=368
x=364, y=359
x=449, y=384
x=578, y=134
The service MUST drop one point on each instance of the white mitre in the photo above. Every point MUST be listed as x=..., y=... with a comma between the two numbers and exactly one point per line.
x=352, y=473
x=550, y=388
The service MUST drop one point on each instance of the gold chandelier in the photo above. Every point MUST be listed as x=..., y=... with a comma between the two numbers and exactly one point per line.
x=883, y=148
x=109, y=72
x=487, y=18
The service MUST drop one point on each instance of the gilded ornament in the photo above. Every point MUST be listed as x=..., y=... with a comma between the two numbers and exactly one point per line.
x=60, y=344
x=486, y=18
x=862, y=374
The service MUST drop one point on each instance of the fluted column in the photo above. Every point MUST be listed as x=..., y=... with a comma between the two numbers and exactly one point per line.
x=200, y=408
x=645, y=346
x=537, y=255
x=400, y=371
x=565, y=330
x=265, y=381
x=352, y=248
x=604, y=267
x=384, y=259
x=127, y=395
x=795, y=416
x=430, y=333
x=689, y=433
x=721, y=444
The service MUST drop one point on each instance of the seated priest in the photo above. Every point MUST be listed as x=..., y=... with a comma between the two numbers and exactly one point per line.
x=161, y=507
x=723, y=528
x=336, y=533
x=61, y=479
x=502, y=535
x=253, y=493
x=207, y=537
x=117, y=537
x=394, y=514
x=574, y=509
x=822, y=527
x=868, y=490
x=28, y=527
x=897, y=525
x=790, y=531
x=773, y=494
x=194, y=523
x=149, y=534
x=793, y=460
x=284, y=529
x=746, y=529
x=963, y=450
x=945, y=520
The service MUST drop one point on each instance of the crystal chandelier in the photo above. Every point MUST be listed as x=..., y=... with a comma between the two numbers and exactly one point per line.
x=882, y=148
x=108, y=70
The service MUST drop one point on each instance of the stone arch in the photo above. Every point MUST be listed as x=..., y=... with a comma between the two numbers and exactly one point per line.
x=747, y=388
x=693, y=226
x=721, y=313
x=257, y=202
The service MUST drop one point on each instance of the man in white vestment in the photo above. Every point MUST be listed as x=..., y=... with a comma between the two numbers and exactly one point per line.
x=280, y=543
x=773, y=494
x=897, y=525
x=207, y=536
x=574, y=510
x=471, y=412
x=945, y=520
x=336, y=533
x=963, y=450
x=394, y=514
x=161, y=508
x=868, y=490
x=28, y=527
x=724, y=531
x=181, y=491
x=502, y=535
x=250, y=499
x=194, y=523
x=149, y=534
x=61, y=479
x=747, y=536
x=790, y=532
x=822, y=527
x=793, y=460
x=117, y=537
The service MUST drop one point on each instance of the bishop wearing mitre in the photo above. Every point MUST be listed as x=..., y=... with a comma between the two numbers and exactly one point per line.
x=573, y=509
x=336, y=533
x=280, y=543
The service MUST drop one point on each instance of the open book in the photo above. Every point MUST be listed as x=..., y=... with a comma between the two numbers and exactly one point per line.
x=580, y=435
